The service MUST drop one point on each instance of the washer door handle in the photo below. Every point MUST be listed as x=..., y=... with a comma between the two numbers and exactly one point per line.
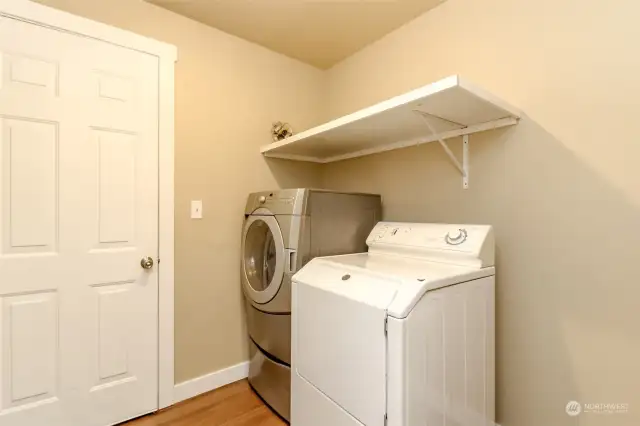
x=292, y=258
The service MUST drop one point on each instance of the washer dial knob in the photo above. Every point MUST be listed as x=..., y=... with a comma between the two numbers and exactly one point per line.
x=262, y=199
x=457, y=237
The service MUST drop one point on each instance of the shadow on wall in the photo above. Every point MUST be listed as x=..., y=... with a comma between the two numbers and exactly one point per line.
x=295, y=174
x=567, y=324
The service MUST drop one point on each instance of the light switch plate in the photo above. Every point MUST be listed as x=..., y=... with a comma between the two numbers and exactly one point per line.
x=196, y=209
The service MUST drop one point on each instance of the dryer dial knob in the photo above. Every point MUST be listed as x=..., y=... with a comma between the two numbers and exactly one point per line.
x=456, y=237
x=262, y=199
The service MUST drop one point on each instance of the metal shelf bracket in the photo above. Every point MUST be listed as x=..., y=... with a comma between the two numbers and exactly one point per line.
x=463, y=167
x=465, y=161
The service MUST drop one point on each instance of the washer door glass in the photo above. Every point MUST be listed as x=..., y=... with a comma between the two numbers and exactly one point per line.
x=263, y=257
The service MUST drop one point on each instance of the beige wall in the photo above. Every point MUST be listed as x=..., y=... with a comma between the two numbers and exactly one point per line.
x=228, y=91
x=562, y=189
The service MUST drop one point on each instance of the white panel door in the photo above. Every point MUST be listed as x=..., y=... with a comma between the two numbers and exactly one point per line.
x=78, y=212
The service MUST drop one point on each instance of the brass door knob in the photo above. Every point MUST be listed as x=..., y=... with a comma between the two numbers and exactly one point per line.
x=146, y=263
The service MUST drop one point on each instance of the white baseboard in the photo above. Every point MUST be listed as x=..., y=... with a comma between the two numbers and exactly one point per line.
x=209, y=382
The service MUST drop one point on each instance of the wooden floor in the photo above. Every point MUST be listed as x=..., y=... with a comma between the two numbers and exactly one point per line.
x=232, y=405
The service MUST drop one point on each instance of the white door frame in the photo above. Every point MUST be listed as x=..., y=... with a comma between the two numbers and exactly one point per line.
x=28, y=11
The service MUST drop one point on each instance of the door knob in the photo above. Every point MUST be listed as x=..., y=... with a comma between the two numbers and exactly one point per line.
x=146, y=263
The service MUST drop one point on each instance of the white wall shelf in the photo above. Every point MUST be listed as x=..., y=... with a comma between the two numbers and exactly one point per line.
x=445, y=109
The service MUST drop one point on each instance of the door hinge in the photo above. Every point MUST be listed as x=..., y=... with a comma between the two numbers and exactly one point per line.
x=386, y=325
x=385, y=420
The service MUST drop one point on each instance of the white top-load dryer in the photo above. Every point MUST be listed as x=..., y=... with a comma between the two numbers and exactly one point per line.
x=402, y=335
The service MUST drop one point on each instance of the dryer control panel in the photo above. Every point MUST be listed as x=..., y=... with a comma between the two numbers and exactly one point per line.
x=466, y=245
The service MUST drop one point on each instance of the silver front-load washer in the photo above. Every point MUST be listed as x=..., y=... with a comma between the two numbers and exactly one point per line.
x=282, y=231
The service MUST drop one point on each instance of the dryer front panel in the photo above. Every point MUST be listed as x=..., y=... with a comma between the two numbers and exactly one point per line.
x=341, y=348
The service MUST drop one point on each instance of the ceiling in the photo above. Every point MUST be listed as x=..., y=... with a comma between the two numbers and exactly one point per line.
x=318, y=32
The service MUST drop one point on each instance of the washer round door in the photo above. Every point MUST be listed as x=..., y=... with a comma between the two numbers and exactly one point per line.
x=263, y=258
